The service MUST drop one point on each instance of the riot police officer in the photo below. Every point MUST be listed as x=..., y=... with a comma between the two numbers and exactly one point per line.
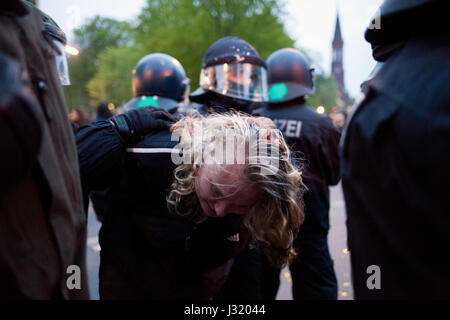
x=159, y=86
x=159, y=81
x=395, y=158
x=42, y=222
x=316, y=141
x=233, y=76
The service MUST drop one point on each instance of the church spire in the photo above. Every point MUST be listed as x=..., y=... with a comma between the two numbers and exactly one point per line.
x=337, y=31
x=337, y=62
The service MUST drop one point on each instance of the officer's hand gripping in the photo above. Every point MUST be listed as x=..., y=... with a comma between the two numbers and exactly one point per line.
x=136, y=123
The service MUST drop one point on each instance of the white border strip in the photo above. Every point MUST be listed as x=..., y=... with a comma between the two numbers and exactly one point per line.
x=153, y=150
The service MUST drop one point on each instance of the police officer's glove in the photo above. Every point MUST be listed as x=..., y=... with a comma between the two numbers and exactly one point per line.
x=135, y=124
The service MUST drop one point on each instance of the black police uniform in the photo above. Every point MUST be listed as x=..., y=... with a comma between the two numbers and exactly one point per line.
x=315, y=140
x=395, y=160
x=158, y=80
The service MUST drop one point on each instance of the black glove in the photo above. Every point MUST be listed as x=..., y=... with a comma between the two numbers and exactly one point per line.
x=136, y=123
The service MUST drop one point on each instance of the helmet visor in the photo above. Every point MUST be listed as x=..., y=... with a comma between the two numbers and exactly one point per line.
x=243, y=81
x=61, y=62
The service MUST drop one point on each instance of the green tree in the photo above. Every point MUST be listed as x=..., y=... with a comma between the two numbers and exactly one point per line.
x=326, y=93
x=112, y=81
x=96, y=35
x=184, y=29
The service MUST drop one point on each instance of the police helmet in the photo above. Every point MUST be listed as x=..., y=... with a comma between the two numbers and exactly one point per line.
x=233, y=69
x=57, y=40
x=399, y=17
x=290, y=75
x=159, y=80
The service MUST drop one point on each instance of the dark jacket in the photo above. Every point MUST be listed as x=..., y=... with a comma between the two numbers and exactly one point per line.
x=315, y=140
x=42, y=221
x=147, y=251
x=395, y=170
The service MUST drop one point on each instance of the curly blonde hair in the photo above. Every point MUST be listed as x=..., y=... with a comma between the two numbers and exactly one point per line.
x=275, y=220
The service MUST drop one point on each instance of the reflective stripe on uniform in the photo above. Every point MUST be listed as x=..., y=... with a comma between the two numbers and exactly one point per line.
x=153, y=150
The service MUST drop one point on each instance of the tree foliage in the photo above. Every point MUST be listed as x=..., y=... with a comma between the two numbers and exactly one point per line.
x=326, y=93
x=92, y=38
x=183, y=29
x=112, y=81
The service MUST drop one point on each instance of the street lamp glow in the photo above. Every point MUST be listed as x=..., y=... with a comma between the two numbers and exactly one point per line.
x=320, y=109
x=72, y=50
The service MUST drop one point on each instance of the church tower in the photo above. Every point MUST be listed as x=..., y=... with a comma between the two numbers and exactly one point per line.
x=337, y=65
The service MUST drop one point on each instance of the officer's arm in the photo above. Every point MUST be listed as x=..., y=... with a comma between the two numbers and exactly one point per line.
x=20, y=129
x=100, y=155
x=330, y=151
x=102, y=145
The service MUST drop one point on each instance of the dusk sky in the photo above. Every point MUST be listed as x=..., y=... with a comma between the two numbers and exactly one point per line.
x=310, y=23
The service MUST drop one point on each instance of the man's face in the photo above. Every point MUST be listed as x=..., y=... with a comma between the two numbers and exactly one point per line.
x=241, y=78
x=222, y=189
